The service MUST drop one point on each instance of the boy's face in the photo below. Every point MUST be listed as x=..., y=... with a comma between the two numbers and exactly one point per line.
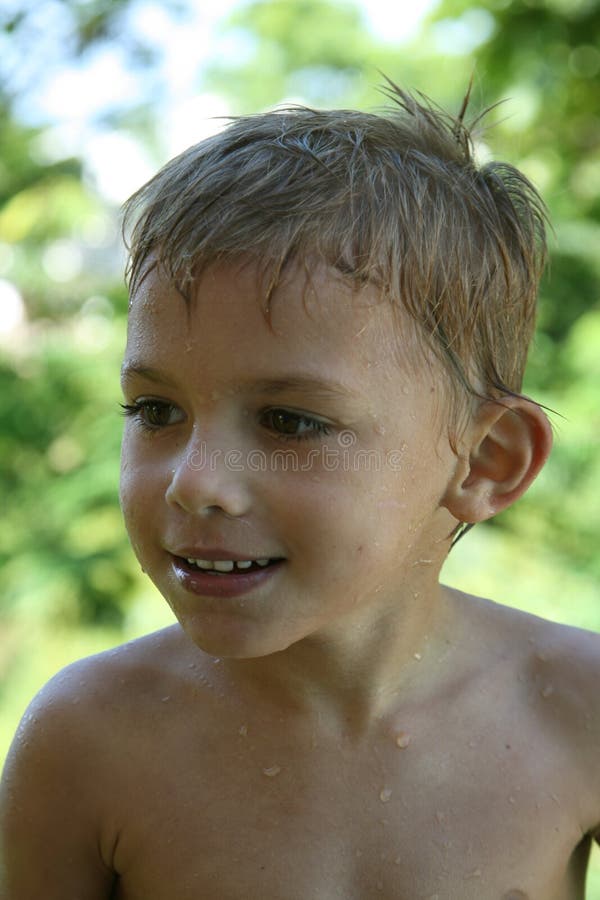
x=343, y=478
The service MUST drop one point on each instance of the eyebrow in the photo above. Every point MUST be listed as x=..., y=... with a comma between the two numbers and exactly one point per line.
x=304, y=383
x=269, y=386
x=131, y=369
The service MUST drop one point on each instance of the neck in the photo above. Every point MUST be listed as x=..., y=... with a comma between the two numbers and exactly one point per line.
x=356, y=672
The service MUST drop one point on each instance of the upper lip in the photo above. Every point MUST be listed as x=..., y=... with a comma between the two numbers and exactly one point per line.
x=220, y=553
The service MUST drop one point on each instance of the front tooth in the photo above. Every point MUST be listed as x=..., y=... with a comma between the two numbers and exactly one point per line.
x=244, y=563
x=202, y=563
x=223, y=565
x=262, y=562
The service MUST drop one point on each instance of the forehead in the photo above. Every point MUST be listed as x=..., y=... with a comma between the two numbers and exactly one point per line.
x=314, y=316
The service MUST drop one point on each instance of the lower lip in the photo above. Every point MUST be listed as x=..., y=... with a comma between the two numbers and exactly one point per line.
x=227, y=585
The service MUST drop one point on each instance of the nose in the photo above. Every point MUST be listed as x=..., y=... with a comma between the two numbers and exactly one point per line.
x=208, y=479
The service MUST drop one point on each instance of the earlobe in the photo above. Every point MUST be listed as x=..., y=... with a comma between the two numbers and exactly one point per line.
x=504, y=449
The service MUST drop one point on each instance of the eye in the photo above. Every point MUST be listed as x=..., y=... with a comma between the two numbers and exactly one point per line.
x=294, y=426
x=152, y=414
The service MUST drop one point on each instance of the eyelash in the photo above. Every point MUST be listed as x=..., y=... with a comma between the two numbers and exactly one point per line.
x=318, y=429
x=139, y=408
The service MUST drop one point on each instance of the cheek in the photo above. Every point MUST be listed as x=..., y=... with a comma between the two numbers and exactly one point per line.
x=129, y=476
x=333, y=516
x=138, y=491
x=369, y=517
x=132, y=509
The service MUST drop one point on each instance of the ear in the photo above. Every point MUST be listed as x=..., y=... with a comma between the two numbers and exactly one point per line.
x=502, y=451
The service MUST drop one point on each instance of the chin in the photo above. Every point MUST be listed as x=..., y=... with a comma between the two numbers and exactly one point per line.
x=233, y=639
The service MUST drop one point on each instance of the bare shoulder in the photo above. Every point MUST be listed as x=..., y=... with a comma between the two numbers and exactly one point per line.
x=564, y=667
x=82, y=692
x=555, y=670
x=74, y=703
x=559, y=662
x=56, y=793
x=562, y=661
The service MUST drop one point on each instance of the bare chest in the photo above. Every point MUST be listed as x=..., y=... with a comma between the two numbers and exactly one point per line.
x=449, y=816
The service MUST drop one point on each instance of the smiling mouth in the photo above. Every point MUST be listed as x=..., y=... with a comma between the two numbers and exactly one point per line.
x=221, y=568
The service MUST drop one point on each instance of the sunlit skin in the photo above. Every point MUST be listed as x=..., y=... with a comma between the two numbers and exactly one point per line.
x=348, y=729
x=361, y=523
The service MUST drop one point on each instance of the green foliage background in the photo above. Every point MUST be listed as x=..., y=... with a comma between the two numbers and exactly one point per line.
x=69, y=584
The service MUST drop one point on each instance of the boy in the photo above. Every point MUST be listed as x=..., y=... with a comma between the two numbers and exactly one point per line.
x=329, y=320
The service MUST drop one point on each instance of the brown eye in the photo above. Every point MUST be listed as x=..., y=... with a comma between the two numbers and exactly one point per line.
x=294, y=425
x=284, y=422
x=153, y=414
x=156, y=414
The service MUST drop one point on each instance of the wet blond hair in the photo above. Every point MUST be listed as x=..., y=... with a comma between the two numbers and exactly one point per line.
x=393, y=199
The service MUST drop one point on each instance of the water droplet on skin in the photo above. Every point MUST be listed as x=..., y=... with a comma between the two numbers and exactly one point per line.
x=406, y=390
x=272, y=771
x=385, y=794
x=164, y=699
x=511, y=799
x=402, y=739
x=243, y=730
x=417, y=656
